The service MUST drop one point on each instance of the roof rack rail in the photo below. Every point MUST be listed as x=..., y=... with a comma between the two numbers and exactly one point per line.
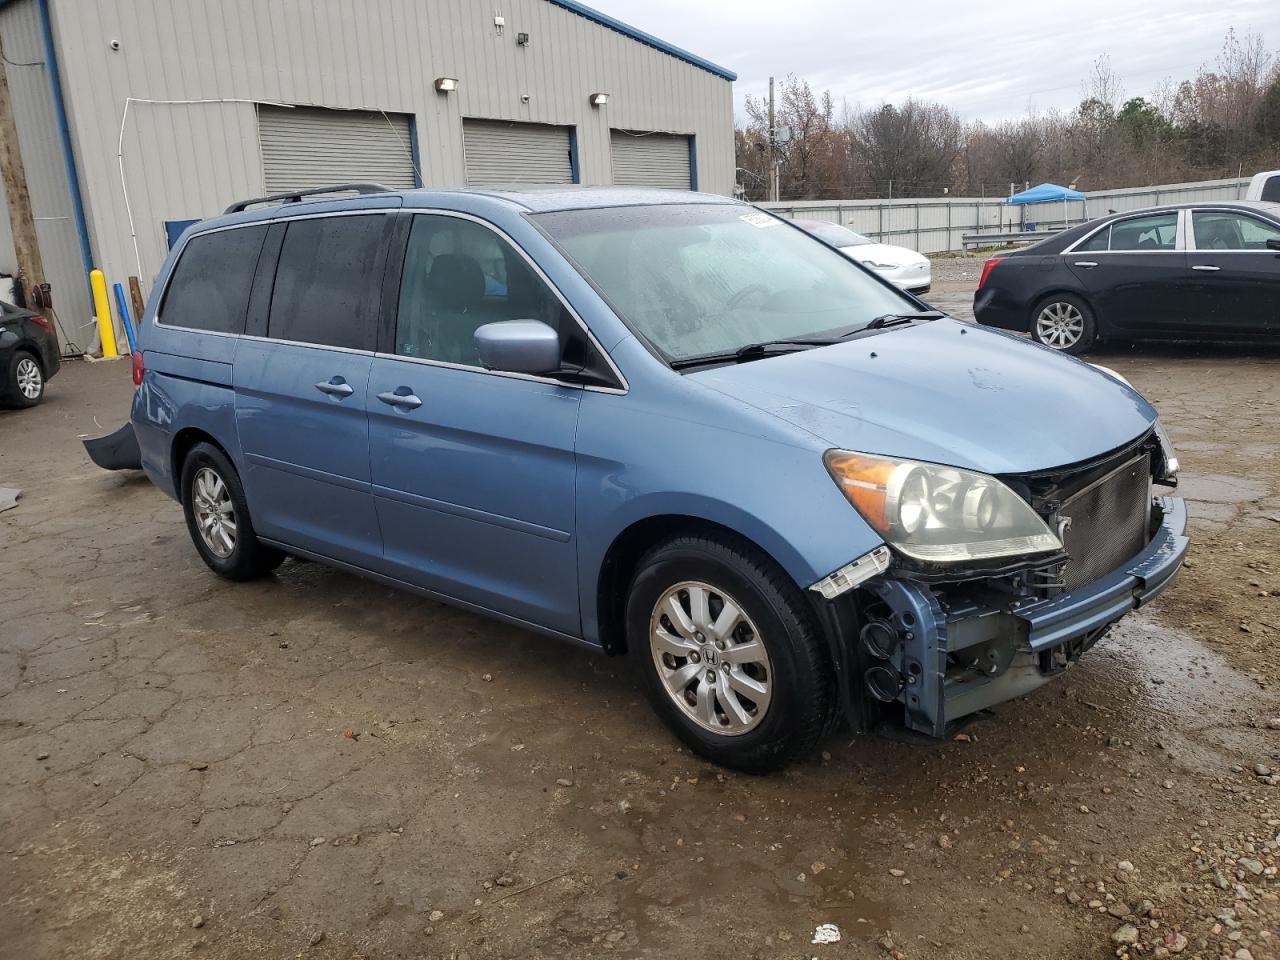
x=294, y=196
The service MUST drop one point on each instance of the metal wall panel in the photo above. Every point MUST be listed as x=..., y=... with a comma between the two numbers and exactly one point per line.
x=501, y=152
x=182, y=161
x=642, y=159
x=305, y=147
x=32, y=96
x=938, y=225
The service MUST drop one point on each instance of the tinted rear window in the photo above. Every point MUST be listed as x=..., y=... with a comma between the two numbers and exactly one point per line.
x=1271, y=189
x=210, y=285
x=326, y=291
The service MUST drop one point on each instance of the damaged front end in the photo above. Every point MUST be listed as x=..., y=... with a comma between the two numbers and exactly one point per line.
x=928, y=646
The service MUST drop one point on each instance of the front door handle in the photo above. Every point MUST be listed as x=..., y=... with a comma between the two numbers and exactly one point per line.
x=336, y=387
x=400, y=397
x=1206, y=268
x=1085, y=263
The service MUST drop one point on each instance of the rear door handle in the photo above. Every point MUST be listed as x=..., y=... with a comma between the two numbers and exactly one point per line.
x=396, y=398
x=1085, y=263
x=336, y=387
x=1206, y=267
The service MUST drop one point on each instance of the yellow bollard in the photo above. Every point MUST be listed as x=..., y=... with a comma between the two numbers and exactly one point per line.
x=102, y=308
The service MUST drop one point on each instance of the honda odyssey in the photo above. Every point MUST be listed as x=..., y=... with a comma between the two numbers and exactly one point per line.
x=663, y=425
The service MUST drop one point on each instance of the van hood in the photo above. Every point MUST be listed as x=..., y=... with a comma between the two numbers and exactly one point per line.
x=945, y=392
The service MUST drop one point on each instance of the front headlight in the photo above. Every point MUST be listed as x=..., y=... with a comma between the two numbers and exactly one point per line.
x=881, y=266
x=939, y=514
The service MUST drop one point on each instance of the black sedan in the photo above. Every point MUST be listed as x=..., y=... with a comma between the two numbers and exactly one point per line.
x=1201, y=271
x=29, y=355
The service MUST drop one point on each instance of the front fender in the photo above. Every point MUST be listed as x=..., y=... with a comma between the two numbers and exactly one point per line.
x=770, y=486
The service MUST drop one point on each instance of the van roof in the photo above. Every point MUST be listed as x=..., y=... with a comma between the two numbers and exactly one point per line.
x=541, y=199
x=528, y=198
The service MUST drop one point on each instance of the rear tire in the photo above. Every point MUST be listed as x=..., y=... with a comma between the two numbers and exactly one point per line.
x=25, y=378
x=218, y=517
x=752, y=691
x=1065, y=323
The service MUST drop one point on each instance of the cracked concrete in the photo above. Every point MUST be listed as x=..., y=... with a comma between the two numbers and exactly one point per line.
x=172, y=745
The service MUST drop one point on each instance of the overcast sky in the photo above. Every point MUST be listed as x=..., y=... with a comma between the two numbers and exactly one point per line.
x=988, y=59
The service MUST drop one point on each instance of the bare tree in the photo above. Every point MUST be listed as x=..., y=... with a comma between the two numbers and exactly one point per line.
x=1103, y=86
x=809, y=155
x=1019, y=146
x=913, y=146
x=1219, y=107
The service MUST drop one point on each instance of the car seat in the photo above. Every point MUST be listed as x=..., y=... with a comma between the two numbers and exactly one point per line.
x=1217, y=235
x=455, y=290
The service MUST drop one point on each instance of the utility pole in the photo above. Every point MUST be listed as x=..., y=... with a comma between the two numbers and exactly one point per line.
x=773, y=139
x=14, y=176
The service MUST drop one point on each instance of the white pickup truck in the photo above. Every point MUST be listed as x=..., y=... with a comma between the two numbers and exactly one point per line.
x=1264, y=186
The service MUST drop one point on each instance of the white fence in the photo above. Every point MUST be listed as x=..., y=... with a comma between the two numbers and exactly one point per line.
x=936, y=225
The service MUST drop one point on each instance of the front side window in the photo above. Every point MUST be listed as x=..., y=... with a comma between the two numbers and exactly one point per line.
x=1156, y=232
x=1217, y=230
x=210, y=285
x=326, y=288
x=700, y=280
x=459, y=275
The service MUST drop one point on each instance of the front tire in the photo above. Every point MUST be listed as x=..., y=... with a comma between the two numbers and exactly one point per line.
x=218, y=517
x=729, y=652
x=1065, y=323
x=25, y=379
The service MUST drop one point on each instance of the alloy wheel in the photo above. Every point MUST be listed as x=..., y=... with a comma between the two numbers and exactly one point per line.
x=1060, y=325
x=30, y=379
x=710, y=657
x=214, y=512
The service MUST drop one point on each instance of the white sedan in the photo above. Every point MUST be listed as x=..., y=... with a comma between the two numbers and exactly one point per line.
x=900, y=266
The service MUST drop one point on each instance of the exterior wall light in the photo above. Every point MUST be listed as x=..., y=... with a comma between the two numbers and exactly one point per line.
x=446, y=84
x=599, y=99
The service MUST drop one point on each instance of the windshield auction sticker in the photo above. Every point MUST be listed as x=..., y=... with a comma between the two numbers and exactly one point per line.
x=761, y=220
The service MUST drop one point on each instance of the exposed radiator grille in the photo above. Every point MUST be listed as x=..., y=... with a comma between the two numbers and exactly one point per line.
x=1110, y=519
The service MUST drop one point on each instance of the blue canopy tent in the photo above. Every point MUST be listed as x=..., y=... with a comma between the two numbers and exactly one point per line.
x=1047, y=193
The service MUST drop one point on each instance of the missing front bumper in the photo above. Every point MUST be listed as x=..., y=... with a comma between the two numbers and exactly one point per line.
x=943, y=660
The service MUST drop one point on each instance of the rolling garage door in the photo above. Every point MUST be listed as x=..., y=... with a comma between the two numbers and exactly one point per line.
x=650, y=159
x=306, y=147
x=500, y=152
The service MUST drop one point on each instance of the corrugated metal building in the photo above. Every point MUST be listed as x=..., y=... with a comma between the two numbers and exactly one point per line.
x=285, y=94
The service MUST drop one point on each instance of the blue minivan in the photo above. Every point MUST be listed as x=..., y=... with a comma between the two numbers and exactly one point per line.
x=665, y=425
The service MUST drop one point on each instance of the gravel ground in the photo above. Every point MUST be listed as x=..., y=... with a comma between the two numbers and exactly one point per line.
x=316, y=766
x=954, y=278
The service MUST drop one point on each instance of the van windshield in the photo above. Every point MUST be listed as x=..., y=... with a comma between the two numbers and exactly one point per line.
x=707, y=279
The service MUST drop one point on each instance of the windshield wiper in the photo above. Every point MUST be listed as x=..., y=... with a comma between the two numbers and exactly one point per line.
x=764, y=348
x=753, y=350
x=892, y=319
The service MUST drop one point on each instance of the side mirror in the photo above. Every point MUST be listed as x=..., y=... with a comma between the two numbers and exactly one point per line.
x=518, y=346
x=1273, y=243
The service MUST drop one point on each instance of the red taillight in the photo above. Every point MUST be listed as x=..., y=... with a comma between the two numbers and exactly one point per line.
x=986, y=271
x=139, y=368
x=43, y=321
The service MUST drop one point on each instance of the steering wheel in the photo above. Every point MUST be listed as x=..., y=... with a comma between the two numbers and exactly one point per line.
x=750, y=290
